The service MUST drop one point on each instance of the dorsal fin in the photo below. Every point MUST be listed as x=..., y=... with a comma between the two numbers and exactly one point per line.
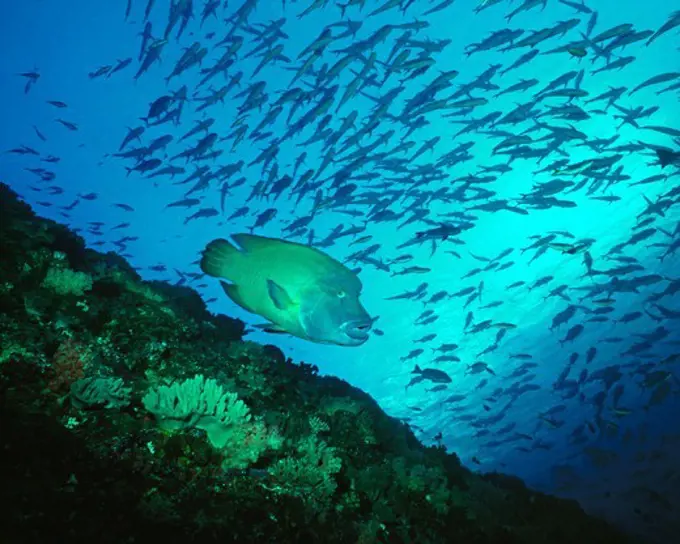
x=251, y=242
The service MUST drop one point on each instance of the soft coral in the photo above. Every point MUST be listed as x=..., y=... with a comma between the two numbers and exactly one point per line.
x=67, y=366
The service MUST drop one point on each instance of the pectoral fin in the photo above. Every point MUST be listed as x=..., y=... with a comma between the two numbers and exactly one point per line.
x=279, y=296
x=271, y=328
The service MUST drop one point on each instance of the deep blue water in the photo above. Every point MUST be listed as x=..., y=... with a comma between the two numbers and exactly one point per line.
x=612, y=446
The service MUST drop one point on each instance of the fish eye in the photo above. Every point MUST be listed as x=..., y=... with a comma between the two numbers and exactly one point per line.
x=341, y=294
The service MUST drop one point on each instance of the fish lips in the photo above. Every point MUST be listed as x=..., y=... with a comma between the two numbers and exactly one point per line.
x=356, y=331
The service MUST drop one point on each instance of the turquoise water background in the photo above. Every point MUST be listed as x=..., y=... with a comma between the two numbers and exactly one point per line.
x=611, y=470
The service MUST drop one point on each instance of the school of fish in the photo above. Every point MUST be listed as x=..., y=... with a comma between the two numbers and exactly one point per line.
x=444, y=178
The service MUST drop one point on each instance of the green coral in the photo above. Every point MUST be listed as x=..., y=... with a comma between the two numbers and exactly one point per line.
x=64, y=281
x=318, y=425
x=204, y=404
x=102, y=392
x=310, y=474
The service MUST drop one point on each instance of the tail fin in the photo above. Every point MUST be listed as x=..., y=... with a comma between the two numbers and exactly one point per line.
x=665, y=157
x=217, y=257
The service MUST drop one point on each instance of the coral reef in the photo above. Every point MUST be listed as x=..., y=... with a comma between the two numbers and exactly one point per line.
x=130, y=413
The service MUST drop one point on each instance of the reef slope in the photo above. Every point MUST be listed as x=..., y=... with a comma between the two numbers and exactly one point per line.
x=97, y=445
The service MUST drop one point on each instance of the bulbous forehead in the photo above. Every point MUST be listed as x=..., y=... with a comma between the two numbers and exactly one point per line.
x=344, y=280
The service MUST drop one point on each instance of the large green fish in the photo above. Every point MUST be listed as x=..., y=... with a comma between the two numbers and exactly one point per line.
x=299, y=289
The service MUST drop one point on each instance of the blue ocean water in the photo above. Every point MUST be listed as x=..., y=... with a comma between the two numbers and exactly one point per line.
x=593, y=418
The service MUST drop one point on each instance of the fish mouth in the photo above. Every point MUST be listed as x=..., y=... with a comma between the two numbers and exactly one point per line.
x=357, y=330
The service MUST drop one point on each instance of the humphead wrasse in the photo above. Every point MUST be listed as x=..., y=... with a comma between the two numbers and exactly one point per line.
x=299, y=289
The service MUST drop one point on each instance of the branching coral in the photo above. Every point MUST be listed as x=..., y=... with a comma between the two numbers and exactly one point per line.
x=309, y=475
x=98, y=391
